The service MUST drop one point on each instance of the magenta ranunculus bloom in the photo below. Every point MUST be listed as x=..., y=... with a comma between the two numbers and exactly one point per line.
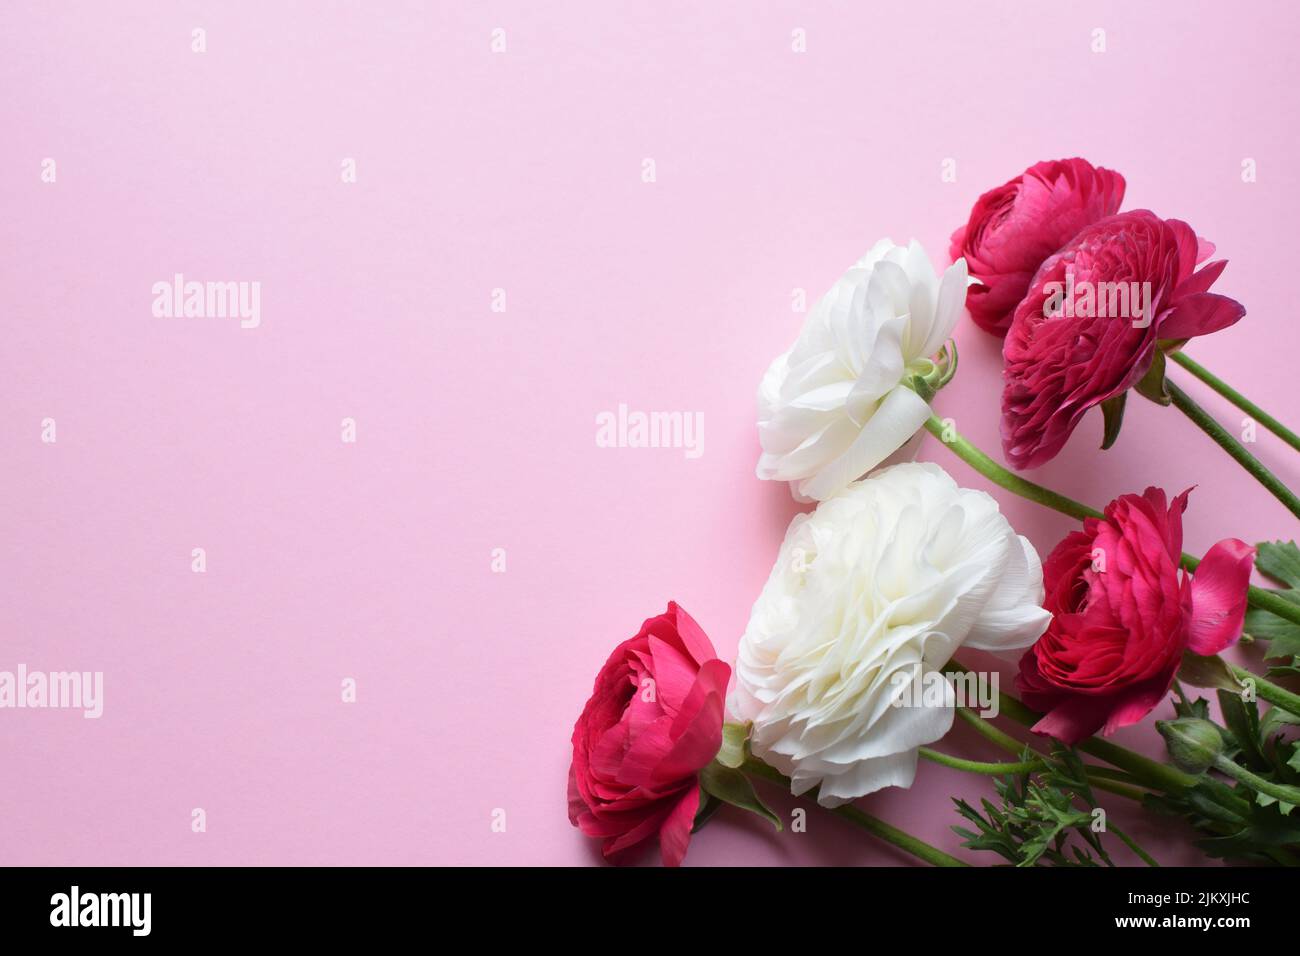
x=1014, y=228
x=1123, y=614
x=1088, y=328
x=653, y=722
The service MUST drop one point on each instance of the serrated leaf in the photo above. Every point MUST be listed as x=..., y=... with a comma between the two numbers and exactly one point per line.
x=1283, y=636
x=1279, y=560
x=1264, y=800
x=1275, y=721
x=1112, y=410
x=1200, y=707
x=732, y=787
x=1243, y=721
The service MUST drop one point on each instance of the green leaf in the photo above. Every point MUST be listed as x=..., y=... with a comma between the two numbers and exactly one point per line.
x=1264, y=800
x=709, y=805
x=1200, y=707
x=1112, y=410
x=1283, y=636
x=1243, y=722
x=1275, y=721
x=1279, y=560
x=735, y=745
x=1152, y=384
x=731, y=786
x=1212, y=672
x=1045, y=817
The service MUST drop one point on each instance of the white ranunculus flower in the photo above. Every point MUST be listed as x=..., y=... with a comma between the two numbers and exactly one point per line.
x=876, y=588
x=835, y=406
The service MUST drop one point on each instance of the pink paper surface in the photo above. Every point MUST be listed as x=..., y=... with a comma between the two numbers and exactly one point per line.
x=519, y=170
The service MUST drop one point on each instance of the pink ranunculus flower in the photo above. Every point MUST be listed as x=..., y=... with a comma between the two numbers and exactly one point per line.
x=1088, y=328
x=653, y=722
x=1014, y=228
x=1123, y=614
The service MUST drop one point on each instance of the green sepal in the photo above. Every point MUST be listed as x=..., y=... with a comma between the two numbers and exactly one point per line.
x=709, y=805
x=1152, y=384
x=1113, y=411
x=932, y=375
x=1212, y=672
x=735, y=745
x=731, y=786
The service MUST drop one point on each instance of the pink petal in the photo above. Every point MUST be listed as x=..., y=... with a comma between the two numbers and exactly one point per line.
x=1136, y=703
x=676, y=832
x=1201, y=280
x=1074, y=719
x=1201, y=314
x=691, y=634
x=1219, y=596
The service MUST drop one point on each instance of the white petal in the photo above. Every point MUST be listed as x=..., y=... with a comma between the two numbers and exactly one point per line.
x=952, y=299
x=897, y=418
x=882, y=582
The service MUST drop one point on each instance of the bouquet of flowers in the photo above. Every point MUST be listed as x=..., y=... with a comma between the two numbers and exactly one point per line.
x=850, y=667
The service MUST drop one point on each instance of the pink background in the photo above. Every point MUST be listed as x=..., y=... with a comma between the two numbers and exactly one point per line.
x=476, y=429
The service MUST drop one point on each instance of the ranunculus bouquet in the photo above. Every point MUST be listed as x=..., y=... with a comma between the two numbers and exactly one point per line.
x=850, y=667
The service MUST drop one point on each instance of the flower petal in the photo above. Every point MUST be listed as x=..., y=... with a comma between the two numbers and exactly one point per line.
x=1201, y=314
x=896, y=419
x=1219, y=589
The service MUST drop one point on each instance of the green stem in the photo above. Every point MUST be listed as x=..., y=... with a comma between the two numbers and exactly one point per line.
x=1146, y=771
x=1274, y=694
x=1234, y=396
x=873, y=825
x=1142, y=770
x=1183, y=402
x=1278, y=791
x=990, y=469
x=1103, y=778
x=986, y=729
x=996, y=768
x=1150, y=772
x=1132, y=845
x=1100, y=777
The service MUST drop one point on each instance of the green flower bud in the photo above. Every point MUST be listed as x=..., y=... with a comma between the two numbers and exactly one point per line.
x=1194, y=744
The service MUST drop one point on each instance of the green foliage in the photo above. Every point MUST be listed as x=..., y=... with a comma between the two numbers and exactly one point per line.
x=1280, y=561
x=1236, y=822
x=722, y=782
x=1043, y=818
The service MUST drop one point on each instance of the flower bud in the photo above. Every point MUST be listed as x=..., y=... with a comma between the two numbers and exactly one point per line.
x=1193, y=744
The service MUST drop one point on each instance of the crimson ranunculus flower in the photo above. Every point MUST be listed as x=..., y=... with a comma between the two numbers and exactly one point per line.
x=1088, y=328
x=653, y=722
x=1014, y=228
x=1123, y=614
